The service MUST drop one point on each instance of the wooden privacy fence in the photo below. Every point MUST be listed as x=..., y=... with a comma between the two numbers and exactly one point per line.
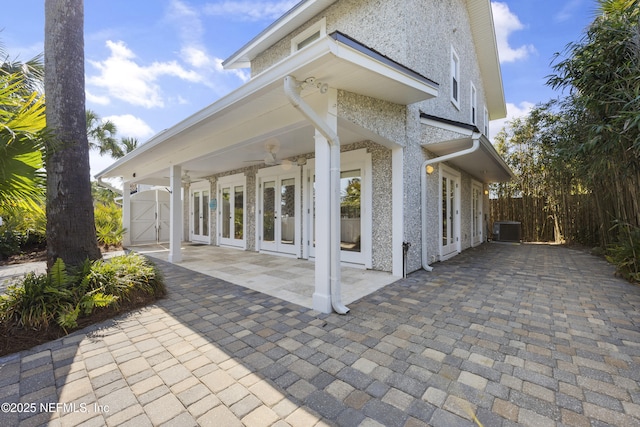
x=573, y=220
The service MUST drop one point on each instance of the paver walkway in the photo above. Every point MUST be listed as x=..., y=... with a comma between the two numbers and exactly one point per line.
x=505, y=335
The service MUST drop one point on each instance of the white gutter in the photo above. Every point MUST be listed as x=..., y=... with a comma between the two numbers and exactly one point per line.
x=475, y=136
x=292, y=89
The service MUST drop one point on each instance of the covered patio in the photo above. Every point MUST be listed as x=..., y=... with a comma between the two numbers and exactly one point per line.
x=289, y=279
x=284, y=130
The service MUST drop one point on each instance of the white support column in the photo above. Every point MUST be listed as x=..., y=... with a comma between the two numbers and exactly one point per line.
x=175, y=215
x=126, y=213
x=397, y=209
x=322, y=295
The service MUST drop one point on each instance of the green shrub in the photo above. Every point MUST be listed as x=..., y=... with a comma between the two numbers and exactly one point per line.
x=21, y=230
x=40, y=299
x=625, y=252
x=10, y=242
x=125, y=276
x=108, y=218
x=63, y=297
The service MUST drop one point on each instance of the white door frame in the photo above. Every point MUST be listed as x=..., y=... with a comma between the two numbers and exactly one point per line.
x=231, y=182
x=278, y=174
x=356, y=159
x=203, y=219
x=453, y=247
x=477, y=199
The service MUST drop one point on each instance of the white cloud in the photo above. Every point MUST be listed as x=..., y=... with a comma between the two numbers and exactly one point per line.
x=193, y=51
x=250, y=10
x=131, y=126
x=513, y=111
x=96, y=99
x=506, y=23
x=122, y=78
x=98, y=163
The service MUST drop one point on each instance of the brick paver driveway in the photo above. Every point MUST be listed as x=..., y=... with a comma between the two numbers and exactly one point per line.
x=500, y=335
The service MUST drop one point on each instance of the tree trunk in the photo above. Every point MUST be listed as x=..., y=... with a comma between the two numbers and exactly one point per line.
x=71, y=231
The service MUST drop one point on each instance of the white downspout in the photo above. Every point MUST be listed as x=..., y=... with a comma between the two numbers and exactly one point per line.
x=423, y=181
x=292, y=91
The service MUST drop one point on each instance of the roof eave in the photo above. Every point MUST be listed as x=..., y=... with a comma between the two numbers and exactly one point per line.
x=287, y=23
x=324, y=59
x=483, y=30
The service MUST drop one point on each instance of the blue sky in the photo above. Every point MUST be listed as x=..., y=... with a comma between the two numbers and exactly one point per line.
x=152, y=63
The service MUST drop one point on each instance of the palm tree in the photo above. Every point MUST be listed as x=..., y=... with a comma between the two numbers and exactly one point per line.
x=71, y=230
x=21, y=144
x=128, y=144
x=31, y=72
x=101, y=135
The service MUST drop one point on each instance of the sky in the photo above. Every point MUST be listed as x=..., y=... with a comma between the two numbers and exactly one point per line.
x=150, y=64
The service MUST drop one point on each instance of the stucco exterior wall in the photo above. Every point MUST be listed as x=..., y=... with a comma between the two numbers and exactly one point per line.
x=416, y=33
x=378, y=24
x=419, y=34
x=381, y=218
x=389, y=121
x=433, y=28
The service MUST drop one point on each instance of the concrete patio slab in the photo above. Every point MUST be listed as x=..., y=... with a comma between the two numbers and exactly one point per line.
x=500, y=335
x=284, y=277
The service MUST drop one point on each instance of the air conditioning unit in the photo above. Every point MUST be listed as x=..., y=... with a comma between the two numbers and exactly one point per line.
x=507, y=231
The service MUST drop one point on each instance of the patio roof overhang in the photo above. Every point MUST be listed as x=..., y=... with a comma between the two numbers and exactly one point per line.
x=484, y=164
x=236, y=128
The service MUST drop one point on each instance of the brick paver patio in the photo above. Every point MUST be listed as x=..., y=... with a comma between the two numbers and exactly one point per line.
x=500, y=335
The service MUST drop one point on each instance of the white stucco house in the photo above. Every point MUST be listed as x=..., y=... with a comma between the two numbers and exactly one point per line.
x=364, y=126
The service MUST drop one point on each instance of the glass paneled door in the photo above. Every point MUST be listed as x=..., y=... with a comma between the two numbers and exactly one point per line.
x=355, y=209
x=449, y=219
x=278, y=213
x=231, y=214
x=200, y=215
x=351, y=224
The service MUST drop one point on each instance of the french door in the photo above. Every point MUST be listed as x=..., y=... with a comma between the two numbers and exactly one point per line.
x=200, y=215
x=232, y=211
x=355, y=209
x=450, y=213
x=279, y=211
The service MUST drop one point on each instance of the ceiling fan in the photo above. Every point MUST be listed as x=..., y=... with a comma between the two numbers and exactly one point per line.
x=270, y=159
x=272, y=146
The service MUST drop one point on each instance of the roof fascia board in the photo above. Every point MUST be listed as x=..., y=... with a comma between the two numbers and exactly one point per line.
x=374, y=54
x=405, y=76
x=467, y=131
x=483, y=30
x=286, y=24
x=448, y=125
x=488, y=148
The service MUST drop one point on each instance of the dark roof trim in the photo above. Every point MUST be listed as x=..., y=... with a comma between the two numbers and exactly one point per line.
x=354, y=44
x=462, y=125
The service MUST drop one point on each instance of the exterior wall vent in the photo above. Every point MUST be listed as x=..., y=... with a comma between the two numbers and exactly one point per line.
x=507, y=231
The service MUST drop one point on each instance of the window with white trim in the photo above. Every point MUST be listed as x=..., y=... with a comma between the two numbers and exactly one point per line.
x=310, y=35
x=455, y=78
x=474, y=105
x=486, y=121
